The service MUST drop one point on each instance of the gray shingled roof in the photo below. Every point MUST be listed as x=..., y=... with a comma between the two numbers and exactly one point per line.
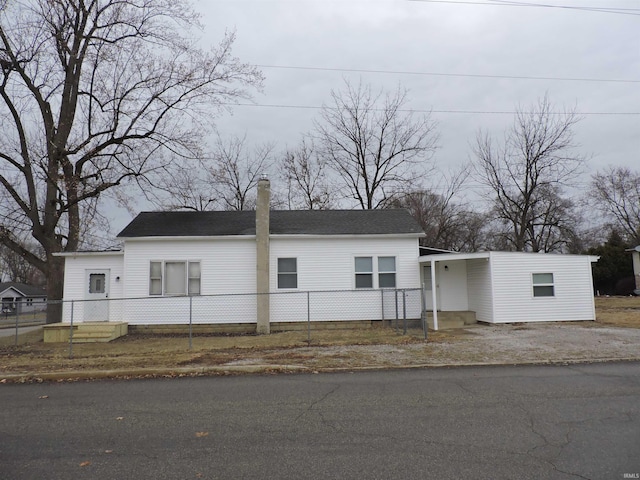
x=282, y=222
x=24, y=289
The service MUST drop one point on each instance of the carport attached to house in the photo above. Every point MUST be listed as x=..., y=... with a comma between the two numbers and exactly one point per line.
x=503, y=287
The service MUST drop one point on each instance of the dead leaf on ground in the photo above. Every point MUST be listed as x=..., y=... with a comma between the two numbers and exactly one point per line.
x=44, y=396
x=85, y=463
x=119, y=418
x=202, y=434
x=108, y=451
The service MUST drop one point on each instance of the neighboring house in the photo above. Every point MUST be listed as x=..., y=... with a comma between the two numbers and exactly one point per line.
x=257, y=267
x=505, y=287
x=21, y=298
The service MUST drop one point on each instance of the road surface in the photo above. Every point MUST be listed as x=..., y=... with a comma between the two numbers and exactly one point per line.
x=528, y=422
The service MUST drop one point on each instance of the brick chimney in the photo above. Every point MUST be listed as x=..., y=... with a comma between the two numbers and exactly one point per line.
x=262, y=255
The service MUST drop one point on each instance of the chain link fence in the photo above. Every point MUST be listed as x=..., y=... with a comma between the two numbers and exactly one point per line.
x=401, y=309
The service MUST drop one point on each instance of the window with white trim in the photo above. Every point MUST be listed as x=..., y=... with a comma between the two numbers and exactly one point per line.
x=543, y=285
x=287, y=273
x=375, y=272
x=174, y=278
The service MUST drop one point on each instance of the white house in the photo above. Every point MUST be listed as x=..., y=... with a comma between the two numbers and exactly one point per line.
x=204, y=267
x=329, y=265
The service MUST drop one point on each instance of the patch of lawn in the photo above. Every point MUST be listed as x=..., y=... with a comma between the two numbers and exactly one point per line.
x=618, y=311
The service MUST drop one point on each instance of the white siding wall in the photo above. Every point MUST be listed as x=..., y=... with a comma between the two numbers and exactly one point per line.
x=75, y=286
x=479, y=288
x=513, y=290
x=228, y=271
x=227, y=265
x=328, y=264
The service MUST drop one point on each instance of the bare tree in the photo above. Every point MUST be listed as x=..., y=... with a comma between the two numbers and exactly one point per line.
x=226, y=181
x=444, y=216
x=375, y=147
x=182, y=185
x=615, y=191
x=526, y=176
x=305, y=177
x=236, y=171
x=92, y=94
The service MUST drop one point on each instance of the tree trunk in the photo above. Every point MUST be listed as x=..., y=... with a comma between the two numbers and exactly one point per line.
x=55, y=279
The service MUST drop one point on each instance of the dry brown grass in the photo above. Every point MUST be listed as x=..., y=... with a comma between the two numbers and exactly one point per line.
x=619, y=311
x=329, y=348
x=163, y=351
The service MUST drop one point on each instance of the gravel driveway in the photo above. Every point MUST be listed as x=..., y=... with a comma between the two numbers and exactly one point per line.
x=479, y=344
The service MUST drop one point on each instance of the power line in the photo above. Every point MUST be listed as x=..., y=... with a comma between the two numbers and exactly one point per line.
x=508, y=3
x=472, y=112
x=443, y=74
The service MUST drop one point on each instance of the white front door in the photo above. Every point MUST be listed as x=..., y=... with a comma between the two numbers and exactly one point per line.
x=96, y=308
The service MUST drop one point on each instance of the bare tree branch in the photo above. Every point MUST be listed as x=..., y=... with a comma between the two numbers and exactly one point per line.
x=615, y=192
x=374, y=148
x=525, y=176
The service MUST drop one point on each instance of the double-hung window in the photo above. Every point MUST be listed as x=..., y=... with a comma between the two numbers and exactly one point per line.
x=367, y=269
x=287, y=273
x=174, y=278
x=543, y=285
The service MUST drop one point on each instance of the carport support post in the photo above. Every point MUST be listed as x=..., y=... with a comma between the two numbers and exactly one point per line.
x=434, y=296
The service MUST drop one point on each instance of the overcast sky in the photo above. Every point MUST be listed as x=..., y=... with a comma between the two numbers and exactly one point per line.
x=453, y=56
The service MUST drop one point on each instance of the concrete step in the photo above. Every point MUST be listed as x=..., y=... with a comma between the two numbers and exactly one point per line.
x=88, y=337
x=446, y=323
x=449, y=320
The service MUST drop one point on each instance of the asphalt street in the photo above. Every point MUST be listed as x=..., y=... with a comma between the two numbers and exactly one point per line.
x=526, y=422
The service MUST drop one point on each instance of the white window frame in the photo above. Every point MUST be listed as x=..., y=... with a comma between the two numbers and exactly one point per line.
x=542, y=286
x=188, y=278
x=293, y=274
x=370, y=273
x=388, y=272
x=375, y=271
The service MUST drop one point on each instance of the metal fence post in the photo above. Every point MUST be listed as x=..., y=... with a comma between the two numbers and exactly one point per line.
x=397, y=313
x=308, y=317
x=17, y=320
x=190, y=322
x=70, y=331
x=404, y=309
